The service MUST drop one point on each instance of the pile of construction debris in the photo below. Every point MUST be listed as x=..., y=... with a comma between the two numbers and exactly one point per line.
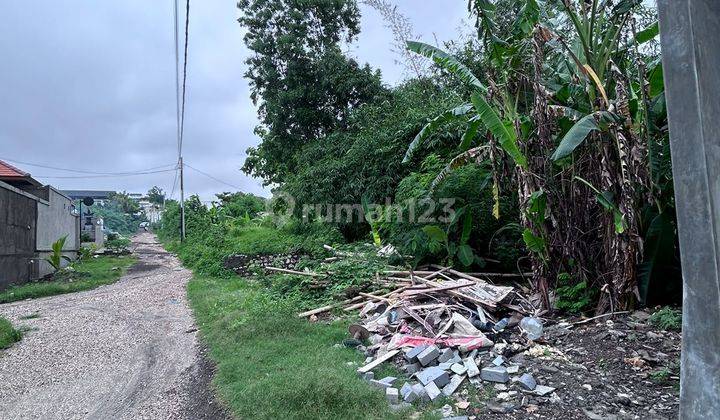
x=442, y=327
x=439, y=327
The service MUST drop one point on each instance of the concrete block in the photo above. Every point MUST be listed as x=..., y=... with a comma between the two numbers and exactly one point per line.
x=498, y=361
x=445, y=355
x=412, y=354
x=512, y=369
x=369, y=376
x=420, y=390
x=495, y=374
x=393, y=395
x=445, y=366
x=472, y=368
x=433, y=391
x=408, y=394
x=527, y=382
x=389, y=380
x=458, y=368
x=413, y=368
x=379, y=384
x=428, y=355
x=453, y=385
x=433, y=374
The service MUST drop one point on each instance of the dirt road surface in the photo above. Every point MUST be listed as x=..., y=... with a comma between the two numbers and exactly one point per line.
x=124, y=351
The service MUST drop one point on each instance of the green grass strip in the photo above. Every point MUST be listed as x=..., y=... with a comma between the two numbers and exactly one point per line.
x=88, y=274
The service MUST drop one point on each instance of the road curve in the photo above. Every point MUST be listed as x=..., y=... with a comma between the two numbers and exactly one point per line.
x=124, y=351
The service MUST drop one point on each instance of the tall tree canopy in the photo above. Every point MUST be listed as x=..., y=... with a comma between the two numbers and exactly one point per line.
x=304, y=85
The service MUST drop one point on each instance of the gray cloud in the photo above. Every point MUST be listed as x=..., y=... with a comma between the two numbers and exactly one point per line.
x=90, y=85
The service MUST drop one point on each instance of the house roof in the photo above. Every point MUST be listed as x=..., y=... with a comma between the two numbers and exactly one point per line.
x=9, y=171
x=15, y=176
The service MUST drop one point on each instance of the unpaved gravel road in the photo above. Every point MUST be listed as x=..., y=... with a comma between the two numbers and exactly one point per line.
x=123, y=351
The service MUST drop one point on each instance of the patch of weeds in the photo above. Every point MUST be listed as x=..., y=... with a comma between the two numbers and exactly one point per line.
x=574, y=298
x=663, y=375
x=272, y=364
x=33, y=315
x=83, y=275
x=667, y=319
x=8, y=334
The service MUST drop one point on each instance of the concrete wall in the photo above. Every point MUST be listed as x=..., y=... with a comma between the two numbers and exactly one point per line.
x=55, y=220
x=18, y=215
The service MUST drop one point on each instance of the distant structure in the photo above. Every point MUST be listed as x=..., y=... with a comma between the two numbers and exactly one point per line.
x=100, y=197
x=32, y=217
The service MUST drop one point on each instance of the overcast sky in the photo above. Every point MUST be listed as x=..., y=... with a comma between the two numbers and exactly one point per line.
x=89, y=85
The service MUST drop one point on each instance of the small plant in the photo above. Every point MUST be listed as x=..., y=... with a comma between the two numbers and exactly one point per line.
x=85, y=237
x=119, y=245
x=86, y=252
x=667, y=318
x=574, y=298
x=56, y=258
x=8, y=334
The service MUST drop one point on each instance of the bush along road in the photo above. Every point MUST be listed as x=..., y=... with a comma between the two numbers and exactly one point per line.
x=124, y=350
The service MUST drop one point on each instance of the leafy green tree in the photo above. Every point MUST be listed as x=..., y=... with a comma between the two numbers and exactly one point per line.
x=156, y=195
x=304, y=85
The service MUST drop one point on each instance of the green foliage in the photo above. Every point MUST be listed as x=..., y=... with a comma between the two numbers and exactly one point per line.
x=667, y=318
x=8, y=334
x=120, y=214
x=55, y=259
x=86, y=252
x=214, y=234
x=156, y=195
x=87, y=274
x=574, y=298
x=365, y=160
x=304, y=85
x=118, y=245
x=251, y=333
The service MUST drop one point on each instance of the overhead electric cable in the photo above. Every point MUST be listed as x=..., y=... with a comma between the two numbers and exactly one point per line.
x=103, y=176
x=213, y=178
x=79, y=171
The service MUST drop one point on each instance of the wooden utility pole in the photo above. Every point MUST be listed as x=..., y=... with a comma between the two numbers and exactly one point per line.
x=691, y=65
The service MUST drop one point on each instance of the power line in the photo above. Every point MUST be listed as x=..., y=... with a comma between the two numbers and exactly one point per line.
x=172, y=192
x=182, y=109
x=104, y=176
x=79, y=171
x=213, y=178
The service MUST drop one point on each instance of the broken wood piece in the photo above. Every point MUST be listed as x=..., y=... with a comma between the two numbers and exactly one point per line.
x=437, y=289
x=299, y=273
x=371, y=296
x=377, y=362
x=328, y=307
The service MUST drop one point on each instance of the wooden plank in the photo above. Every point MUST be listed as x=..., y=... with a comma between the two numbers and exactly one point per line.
x=328, y=307
x=299, y=273
x=377, y=362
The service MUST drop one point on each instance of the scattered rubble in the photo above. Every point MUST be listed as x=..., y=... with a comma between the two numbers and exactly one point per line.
x=482, y=346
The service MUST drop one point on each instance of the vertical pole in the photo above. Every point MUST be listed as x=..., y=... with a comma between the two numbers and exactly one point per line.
x=182, y=202
x=691, y=66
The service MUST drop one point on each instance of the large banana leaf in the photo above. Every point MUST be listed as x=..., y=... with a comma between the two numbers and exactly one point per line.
x=446, y=61
x=506, y=138
x=433, y=125
x=577, y=134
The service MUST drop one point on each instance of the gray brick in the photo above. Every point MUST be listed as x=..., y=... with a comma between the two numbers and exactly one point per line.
x=428, y=355
x=433, y=374
x=527, y=382
x=445, y=355
x=392, y=395
x=420, y=390
x=453, y=385
x=472, y=368
x=495, y=374
x=458, y=368
x=433, y=391
x=411, y=355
